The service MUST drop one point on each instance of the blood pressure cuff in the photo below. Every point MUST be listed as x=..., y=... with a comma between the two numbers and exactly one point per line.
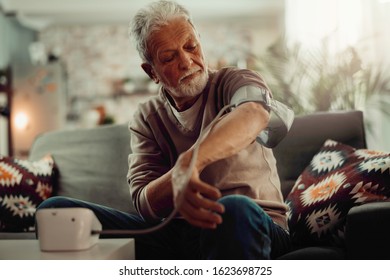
x=281, y=116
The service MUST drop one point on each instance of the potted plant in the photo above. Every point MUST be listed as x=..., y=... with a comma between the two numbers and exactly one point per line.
x=317, y=80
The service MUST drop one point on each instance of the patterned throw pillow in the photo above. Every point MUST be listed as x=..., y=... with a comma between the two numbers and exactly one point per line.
x=23, y=186
x=338, y=178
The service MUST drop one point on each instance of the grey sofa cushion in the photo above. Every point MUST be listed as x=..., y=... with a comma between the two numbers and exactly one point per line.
x=308, y=134
x=92, y=163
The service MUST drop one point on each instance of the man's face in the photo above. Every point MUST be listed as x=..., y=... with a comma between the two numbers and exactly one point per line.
x=178, y=61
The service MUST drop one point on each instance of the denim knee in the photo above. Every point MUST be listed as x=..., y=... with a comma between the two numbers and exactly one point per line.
x=243, y=234
x=232, y=202
x=56, y=202
x=238, y=207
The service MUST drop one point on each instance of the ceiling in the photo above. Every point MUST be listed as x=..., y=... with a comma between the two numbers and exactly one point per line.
x=39, y=14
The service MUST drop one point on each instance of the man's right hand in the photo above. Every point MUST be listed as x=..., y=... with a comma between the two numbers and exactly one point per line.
x=197, y=202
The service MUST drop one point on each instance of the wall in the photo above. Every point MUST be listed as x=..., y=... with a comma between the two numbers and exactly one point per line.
x=38, y=103
x=380, y=14
x=4, y=62
x=4, y=47
x=14, y=53
x=40, y=96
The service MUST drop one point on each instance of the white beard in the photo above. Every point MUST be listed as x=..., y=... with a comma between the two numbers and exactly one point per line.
x=190, y=88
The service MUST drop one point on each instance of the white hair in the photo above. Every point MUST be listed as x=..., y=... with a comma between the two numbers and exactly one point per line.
x=150, y=19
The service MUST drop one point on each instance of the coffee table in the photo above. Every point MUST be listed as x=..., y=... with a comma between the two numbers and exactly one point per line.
x=105, y=249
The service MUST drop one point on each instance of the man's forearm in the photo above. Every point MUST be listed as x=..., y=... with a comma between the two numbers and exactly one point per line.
x=234, y=132
x=159, y=195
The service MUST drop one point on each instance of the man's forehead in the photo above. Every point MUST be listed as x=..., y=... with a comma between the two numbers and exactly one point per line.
x=172, y=33
x=174, y=26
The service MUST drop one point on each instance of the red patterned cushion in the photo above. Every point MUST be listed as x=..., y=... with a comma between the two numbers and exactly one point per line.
x=23, y=186
x=338, y=178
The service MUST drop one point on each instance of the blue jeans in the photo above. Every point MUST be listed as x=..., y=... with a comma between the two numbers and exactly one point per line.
x=247, y=232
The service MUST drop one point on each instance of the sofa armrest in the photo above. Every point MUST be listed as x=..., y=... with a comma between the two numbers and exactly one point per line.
x=368, y=231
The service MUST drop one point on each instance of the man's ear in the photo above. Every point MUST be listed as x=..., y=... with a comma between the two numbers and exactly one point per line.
x=149, y=70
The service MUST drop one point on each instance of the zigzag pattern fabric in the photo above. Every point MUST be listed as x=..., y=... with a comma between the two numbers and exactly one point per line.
x=23, y=186
x=337, y=178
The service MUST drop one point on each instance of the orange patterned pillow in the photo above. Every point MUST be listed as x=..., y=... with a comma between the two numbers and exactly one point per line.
x=338, y=178
x=23, y=186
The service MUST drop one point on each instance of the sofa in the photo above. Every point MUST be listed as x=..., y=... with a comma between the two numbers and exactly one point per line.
x=92, y=165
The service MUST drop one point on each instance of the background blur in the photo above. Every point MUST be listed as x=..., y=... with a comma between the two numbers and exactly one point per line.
x=70, y=64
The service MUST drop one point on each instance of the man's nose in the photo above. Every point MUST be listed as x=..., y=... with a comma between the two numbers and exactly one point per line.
x=185, y=60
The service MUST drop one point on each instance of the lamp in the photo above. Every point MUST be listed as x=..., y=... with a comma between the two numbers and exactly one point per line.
x=21, y=120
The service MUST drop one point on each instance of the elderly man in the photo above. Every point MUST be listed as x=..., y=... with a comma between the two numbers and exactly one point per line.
x=230, y=206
